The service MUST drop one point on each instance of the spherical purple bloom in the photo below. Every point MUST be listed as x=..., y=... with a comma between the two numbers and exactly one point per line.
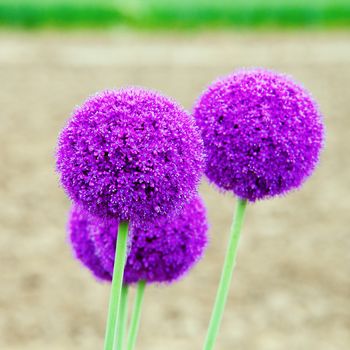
x=262, y=132
x=130, y=154
x=162, y=251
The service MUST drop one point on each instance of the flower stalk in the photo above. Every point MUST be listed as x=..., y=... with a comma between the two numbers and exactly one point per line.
x=136, y=315
x=116, y=290
x=226, y=276
x=123, y=319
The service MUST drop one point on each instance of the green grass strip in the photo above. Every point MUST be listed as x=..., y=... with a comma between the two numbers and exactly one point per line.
x=182, y=14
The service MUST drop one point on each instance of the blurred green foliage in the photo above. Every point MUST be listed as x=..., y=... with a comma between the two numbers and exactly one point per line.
x=58, y=13
x=174, y=13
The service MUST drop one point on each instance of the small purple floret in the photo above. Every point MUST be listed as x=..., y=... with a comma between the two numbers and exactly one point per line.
x=130, y=154
x=262, y=132
x=161, y=252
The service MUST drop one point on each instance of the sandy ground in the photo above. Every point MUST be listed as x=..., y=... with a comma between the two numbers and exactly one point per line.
x=291, y=288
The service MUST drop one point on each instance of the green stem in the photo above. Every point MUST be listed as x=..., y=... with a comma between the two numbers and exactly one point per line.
x=123, y=317
x=136, y=315
x=226, y=276
x=117, y=281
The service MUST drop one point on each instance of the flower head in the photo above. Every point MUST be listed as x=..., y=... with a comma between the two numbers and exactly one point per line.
x=262, y=132
x=160, y=252
x=130, y=154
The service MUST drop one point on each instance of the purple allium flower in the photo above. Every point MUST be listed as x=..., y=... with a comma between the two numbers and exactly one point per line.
x=83, y=247
x=160, y=252
x=262, y=132
x=130, y=154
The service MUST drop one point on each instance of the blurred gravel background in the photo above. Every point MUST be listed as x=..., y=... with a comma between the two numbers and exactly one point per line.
x=291, y=288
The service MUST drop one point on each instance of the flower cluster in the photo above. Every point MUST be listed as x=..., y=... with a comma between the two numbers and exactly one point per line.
x=160, y=252
x=130, y=154
x=134, y=155
x=262, y=133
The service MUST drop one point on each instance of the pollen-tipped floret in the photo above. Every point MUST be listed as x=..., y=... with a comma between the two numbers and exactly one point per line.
x=262, y=133
x=130, y=154
x=159, y=252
